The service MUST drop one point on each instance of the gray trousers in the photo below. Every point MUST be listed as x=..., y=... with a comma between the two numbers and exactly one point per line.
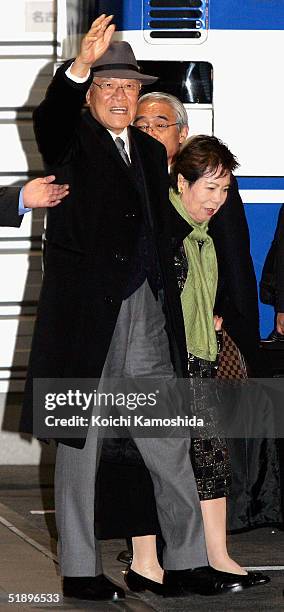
x=139, y=347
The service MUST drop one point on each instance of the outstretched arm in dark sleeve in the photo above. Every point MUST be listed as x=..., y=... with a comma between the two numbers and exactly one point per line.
x=57, y=117
x=9, y=206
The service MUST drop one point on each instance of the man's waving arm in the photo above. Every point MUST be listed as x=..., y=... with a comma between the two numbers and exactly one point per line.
x=57, y=117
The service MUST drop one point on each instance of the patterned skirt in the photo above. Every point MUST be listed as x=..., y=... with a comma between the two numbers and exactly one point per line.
x=209, y=454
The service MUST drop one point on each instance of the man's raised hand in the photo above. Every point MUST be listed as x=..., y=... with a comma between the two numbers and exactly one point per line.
x=94, y=44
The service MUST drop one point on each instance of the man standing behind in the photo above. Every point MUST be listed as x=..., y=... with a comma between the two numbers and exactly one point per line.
x=164, y=117
x=108, y=257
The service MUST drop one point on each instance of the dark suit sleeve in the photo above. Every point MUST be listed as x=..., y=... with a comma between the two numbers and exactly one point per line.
x=57, y=117
x=9, y=202
x=280, y=263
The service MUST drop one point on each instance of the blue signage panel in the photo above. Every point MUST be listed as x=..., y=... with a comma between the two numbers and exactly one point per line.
x=223, y=14
x=246, y=15
x=261, y=182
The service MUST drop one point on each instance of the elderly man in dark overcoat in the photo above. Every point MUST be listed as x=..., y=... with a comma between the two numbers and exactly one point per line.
x=108, y=259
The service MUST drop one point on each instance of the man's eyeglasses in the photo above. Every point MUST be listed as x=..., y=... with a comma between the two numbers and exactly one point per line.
x=157, y=127
x=110, y=87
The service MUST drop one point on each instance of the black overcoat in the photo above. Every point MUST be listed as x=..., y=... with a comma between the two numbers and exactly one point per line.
x=90, y=239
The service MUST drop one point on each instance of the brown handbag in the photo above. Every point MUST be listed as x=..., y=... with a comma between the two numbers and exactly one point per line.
x=231, y=363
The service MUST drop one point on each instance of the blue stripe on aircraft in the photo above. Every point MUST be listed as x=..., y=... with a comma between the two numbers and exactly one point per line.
x=223, y=14
x=246, y=15
x=260, y=182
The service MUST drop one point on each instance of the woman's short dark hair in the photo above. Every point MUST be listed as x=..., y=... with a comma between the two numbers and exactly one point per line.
x=199, y=156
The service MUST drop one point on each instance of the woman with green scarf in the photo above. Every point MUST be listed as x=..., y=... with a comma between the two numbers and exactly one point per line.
x=200, y=178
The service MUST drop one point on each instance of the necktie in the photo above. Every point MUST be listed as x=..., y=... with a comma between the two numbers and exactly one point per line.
x=121, y=147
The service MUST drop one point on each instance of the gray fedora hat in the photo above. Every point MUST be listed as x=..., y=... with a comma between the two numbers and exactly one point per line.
x=119, y=62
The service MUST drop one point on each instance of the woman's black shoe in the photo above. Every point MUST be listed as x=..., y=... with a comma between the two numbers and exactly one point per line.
x=258, y=578
x=239, y=582
x=138, y=583
x=209, y=581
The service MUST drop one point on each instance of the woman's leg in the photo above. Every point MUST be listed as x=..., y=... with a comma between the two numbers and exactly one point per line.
x=214, y=520
x=145, y=561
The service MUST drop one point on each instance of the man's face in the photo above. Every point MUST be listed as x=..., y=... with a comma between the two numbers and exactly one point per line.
x=113, y=102
x=156, y=114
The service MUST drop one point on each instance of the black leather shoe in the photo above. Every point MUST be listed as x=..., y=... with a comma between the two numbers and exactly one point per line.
x=94, y=588
x=138, y=583
x=209, y=581
x=258, y=578
x=125, y=556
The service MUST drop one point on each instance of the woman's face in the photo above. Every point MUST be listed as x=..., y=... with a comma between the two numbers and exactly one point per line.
x=203, y=198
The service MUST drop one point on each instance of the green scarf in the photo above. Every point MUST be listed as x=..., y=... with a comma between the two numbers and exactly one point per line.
x=199, y=292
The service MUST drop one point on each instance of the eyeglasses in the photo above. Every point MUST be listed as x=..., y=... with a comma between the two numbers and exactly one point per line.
x=109, y=87
x=157, y=127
